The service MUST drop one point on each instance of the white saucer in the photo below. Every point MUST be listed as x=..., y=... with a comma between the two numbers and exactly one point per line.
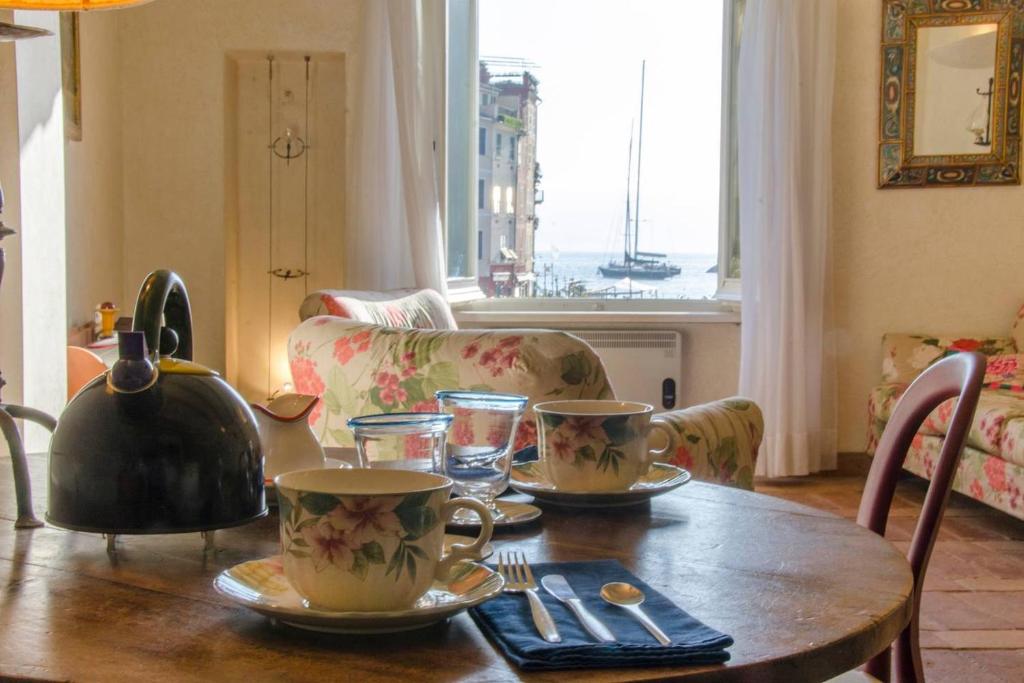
x=513, y=513
x=261, y=586
x=530, y=478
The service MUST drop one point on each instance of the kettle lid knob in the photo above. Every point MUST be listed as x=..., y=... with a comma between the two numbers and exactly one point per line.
x=168, y=341
x=133, y=371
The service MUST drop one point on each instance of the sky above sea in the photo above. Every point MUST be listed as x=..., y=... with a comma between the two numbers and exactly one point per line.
x=588, y=56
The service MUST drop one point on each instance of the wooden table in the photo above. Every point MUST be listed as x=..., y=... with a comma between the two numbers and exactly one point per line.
x=806, y=595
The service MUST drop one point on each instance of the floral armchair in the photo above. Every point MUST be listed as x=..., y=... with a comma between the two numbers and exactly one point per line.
x=718, y=441
x=424, y=309
x=992, y=467
x=361, y=368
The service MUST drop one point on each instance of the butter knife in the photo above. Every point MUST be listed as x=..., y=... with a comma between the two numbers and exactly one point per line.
x=560, y=588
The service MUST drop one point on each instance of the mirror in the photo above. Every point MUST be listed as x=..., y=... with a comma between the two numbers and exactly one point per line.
x=956, y=70
x=950, y=94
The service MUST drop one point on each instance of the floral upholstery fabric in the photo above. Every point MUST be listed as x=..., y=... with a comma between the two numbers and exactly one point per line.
x=717, y=441
x=905, y=356
x=999, y=417
x=992, y=467
x=361, y=369
x=982, y=476
x=1006, y=372
x=423, y=309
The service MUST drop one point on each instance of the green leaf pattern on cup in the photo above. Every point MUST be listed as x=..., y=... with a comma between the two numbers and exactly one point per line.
x=351, y=533
x=601, y=439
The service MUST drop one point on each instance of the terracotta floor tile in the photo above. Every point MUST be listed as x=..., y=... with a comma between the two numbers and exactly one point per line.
x=944, y=611
x=997, y=526
x=974, y=640
x=973, y=666
x=987, y=584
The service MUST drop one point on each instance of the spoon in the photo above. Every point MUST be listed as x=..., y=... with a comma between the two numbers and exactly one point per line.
x=629, y=598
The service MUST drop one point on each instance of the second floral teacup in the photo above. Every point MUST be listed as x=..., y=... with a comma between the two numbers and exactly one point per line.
x=594, y=446
x=369, y=540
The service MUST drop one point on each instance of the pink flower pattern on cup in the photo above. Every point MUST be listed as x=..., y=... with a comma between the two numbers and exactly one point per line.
x=352, y=532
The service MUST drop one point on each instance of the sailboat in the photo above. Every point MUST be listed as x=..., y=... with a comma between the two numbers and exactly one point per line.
x=636, y=264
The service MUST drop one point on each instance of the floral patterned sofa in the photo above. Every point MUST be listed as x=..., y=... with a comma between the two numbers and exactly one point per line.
x=362, y=368
x=992, y=467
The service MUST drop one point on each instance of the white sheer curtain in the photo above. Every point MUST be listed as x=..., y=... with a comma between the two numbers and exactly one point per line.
x=393, y=227
x=786, y=74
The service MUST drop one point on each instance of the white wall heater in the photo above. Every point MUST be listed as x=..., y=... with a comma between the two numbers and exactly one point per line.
x=644, y=365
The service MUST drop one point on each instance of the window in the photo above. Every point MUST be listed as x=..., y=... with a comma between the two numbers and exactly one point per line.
x=637, y=148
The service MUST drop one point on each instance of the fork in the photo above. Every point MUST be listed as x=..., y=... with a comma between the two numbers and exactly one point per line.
x=519, y=579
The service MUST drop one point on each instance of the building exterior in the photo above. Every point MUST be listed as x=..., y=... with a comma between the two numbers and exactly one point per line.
x=507, y=189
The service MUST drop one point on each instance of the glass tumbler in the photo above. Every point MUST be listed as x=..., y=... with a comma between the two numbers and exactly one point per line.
x=409, y=441
x=478, y=455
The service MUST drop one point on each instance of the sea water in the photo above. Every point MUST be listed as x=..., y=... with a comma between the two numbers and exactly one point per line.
x=694, y=282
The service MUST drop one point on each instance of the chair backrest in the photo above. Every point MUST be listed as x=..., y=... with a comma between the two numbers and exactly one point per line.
x=956, y=377
x=422, y=309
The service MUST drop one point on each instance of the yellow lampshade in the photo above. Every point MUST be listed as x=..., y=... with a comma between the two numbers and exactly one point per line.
x=67, y=5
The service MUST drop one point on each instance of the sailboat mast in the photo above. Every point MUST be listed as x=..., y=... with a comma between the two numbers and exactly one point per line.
x=629, y=178
x=639, y=152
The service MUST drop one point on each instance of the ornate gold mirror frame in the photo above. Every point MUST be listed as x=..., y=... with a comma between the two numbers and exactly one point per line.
x=898, y=165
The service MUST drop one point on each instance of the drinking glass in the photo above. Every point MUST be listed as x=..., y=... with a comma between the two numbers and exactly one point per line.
x=408, y=441
x=478, y=454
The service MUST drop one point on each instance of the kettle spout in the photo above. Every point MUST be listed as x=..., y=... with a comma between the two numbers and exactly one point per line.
x=133, y=371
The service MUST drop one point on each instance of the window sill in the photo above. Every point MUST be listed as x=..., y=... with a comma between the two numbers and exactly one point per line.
x=558, y=313
x=463, y=290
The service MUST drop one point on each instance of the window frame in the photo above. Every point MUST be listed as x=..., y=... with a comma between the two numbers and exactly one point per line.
x=466, y=288
x=728, y=185
x=463, y=287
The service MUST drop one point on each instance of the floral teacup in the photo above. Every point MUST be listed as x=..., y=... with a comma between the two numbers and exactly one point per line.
x=589, y=446
x=369, y=540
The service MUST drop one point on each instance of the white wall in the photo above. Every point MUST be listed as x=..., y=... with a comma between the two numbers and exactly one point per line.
x=173, y=62
x=42, y=228
x=69, y=234
x=10, y=292
x=938, y=260
x=95, y=236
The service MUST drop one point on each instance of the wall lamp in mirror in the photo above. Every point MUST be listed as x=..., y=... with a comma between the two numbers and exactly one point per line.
x=950, y=93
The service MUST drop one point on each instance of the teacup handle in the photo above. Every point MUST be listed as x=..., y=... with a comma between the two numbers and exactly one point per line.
x=655, y=454
x=460, y=551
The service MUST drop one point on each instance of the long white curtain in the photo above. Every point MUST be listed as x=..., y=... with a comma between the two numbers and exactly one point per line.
x=786, y=75
x=393, y=228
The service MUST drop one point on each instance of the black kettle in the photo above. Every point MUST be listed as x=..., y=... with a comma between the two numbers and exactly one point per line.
x=158, y=444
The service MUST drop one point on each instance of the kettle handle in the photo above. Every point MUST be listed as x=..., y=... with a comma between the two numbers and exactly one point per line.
x=163, y=295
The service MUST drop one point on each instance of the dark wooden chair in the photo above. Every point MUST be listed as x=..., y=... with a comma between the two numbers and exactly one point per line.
x=958, y=376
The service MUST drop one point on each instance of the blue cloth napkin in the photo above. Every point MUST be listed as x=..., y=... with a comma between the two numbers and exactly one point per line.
x=507, y=621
